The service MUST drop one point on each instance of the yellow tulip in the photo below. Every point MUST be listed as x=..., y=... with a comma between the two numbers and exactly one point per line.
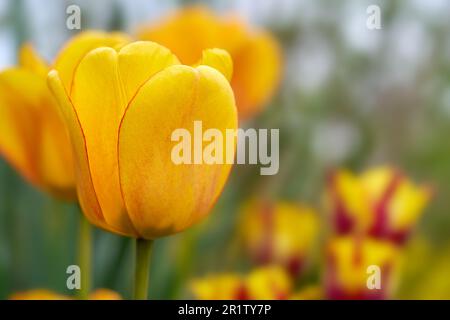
x=280, y=233
x=38, y=294
x=256, y=54
x=44, y=294
x=33, y=137
x=219, y=287
x=269, y=283
x=265, y=283
x=381, y=202
x=348, y=268
x=104, y=294
x=122, y=108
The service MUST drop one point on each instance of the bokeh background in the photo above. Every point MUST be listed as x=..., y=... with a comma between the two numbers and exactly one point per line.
x=350, y=97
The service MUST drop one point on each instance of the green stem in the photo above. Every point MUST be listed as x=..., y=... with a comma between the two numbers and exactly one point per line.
x=84, y=257
x=142, y=268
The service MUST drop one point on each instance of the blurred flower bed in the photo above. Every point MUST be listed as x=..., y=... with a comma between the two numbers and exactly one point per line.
x=364, y=168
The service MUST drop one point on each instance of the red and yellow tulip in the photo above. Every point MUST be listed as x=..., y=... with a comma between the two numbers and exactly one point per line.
x=347, y=270
x=265, y=283
x=281, y=233
x=226, y=286
x=381, y=202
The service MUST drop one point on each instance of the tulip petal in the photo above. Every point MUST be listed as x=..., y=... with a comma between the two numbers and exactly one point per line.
x=226, y=286
x=407, y=205
x=70, y=56
x=256, y=55
x=259, y=64
x=140, y=60
x=218, y=59
x=85, y=187
x=350, y=200
x=269, y=283
x=30, y=60
x=161, y=197
x=99, y=101
x=33, y=138
x=186, y=33
x=349, y=258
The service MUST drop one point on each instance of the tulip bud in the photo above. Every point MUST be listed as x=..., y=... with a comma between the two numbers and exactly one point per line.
x=123, y=106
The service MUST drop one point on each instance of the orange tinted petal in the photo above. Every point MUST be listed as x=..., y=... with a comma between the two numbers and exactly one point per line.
x=86, y=192
x=30, y=60
x=186, y=32
x=73, y=52
x=256, y=55
x=257, y=68
x=99, y=101
x=33, y=136
x=218, y=59
x=55, y=159
x=163, y=198
x=140, y=60
x=103, y=84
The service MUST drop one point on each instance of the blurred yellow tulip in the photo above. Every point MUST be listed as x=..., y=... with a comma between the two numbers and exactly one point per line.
x=269, y=283
x=219, y=287
x=381, y=202
x=256, y=54
x=308, y=293
x=104, y=294
x=122, y=108
x=44, y=294
x=38, y=294
x=33, y=137
x=349, y=268
x=280, y=233
x=265, y=283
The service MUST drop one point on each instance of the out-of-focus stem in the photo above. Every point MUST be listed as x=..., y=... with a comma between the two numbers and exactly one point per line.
x=84, y=256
